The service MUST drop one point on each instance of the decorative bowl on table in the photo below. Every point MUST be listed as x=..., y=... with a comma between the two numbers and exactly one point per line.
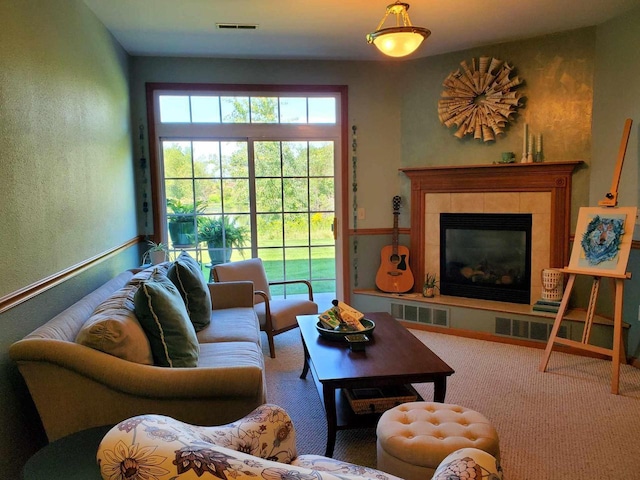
x=339, y=335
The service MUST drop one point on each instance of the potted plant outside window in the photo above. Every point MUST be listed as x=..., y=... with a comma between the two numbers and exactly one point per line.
x=222, y=235
x=182, y=222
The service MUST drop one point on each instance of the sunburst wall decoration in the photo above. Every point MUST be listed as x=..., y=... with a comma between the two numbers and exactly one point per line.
x=479, y=98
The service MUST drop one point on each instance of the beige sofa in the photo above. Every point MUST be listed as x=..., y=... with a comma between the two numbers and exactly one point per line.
x=76, y=387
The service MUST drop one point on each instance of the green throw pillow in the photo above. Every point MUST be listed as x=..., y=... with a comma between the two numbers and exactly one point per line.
x=163, y=316
x=185, y=274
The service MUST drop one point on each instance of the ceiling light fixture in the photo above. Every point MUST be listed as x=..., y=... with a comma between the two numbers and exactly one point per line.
x=401, y=40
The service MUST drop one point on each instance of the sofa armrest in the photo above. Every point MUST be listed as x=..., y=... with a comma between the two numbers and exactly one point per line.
x=340, y=468
x=193, y=452
x=231, y=294
x=475, y=462
x=267, y=432
x=135, y=378
x=75, y=387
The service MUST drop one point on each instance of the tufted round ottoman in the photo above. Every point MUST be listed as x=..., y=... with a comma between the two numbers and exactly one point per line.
x=413, y=438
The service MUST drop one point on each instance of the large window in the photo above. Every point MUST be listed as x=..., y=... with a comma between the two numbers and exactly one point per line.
x=245, y=174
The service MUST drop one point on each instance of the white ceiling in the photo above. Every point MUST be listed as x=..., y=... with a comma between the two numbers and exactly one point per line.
x=334, y=29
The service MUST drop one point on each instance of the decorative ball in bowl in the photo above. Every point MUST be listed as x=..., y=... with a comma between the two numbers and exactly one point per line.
x=339, y=335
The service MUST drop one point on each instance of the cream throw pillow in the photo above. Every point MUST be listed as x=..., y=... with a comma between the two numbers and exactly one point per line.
x=113, y=328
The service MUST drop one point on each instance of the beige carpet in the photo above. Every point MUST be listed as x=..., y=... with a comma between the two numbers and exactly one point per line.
x=562, y=424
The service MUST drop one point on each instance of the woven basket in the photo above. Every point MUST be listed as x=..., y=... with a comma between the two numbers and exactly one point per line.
x=378, y=400
x=552, y=285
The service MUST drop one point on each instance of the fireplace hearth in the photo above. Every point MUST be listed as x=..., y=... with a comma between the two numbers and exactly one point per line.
x=486, y=256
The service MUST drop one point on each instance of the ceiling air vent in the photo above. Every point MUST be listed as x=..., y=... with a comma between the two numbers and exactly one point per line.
x=236, y=26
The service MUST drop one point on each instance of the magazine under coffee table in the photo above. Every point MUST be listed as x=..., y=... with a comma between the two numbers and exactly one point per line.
x=393, y=357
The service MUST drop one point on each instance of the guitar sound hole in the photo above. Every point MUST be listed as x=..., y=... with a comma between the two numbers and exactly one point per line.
x=394, y=259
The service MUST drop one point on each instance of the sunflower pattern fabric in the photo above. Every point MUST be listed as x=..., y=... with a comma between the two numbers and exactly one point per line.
x=260, y=446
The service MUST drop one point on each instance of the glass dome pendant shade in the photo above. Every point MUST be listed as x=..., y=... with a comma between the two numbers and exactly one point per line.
x=401, y=40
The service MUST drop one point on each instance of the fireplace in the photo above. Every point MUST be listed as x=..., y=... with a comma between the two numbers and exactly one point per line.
x=540, y=189
x=486, y=256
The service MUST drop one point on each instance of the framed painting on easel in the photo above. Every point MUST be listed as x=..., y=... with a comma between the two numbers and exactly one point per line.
x=601, y=248
x=603, y=241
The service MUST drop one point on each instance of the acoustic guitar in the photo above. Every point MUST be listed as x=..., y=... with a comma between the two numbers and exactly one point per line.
x=394, y=274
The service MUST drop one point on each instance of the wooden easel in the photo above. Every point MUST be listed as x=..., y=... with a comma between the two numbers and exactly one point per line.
x=616, y=353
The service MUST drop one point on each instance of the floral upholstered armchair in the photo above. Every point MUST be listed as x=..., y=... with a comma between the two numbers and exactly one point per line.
x=261, y=445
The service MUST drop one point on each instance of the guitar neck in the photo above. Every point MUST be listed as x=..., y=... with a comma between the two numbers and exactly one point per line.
x=394, y=242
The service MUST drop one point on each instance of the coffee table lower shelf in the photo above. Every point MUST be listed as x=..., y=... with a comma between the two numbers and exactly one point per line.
x=378, y=400
x=347, y=418
x=343, y=418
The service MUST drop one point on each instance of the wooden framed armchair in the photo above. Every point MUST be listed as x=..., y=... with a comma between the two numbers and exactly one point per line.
x=276, y=315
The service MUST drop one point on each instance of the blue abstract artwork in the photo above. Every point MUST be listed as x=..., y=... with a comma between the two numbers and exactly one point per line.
x=601, y=241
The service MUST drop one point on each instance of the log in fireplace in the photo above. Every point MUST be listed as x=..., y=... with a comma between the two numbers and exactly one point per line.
x=486, y=256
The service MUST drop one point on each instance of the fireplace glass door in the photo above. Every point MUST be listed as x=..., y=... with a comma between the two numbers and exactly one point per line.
x=486, y=256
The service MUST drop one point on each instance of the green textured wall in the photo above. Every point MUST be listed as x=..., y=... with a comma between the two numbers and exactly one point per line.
x=557, y=73
x=67, y=190
x=617, y=97
x=65, y=141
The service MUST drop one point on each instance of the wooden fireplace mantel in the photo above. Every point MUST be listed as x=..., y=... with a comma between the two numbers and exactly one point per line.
x=553, y=177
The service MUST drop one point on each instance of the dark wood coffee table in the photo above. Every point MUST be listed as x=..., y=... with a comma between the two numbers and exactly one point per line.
x=393, y=357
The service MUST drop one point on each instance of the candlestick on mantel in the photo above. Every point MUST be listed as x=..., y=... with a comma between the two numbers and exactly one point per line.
x=524, y=143
x=538, y=156
x=530, y=149
x=539, y=144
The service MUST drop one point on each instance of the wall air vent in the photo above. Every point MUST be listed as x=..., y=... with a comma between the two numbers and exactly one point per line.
x=513, y=327
x=236, y=26
x=430, y=315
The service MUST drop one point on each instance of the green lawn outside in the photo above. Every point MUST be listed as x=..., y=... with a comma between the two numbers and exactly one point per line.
x=299, y=270
x=322, y=274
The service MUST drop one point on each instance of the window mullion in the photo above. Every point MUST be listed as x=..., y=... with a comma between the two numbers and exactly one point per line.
x=252, y=196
